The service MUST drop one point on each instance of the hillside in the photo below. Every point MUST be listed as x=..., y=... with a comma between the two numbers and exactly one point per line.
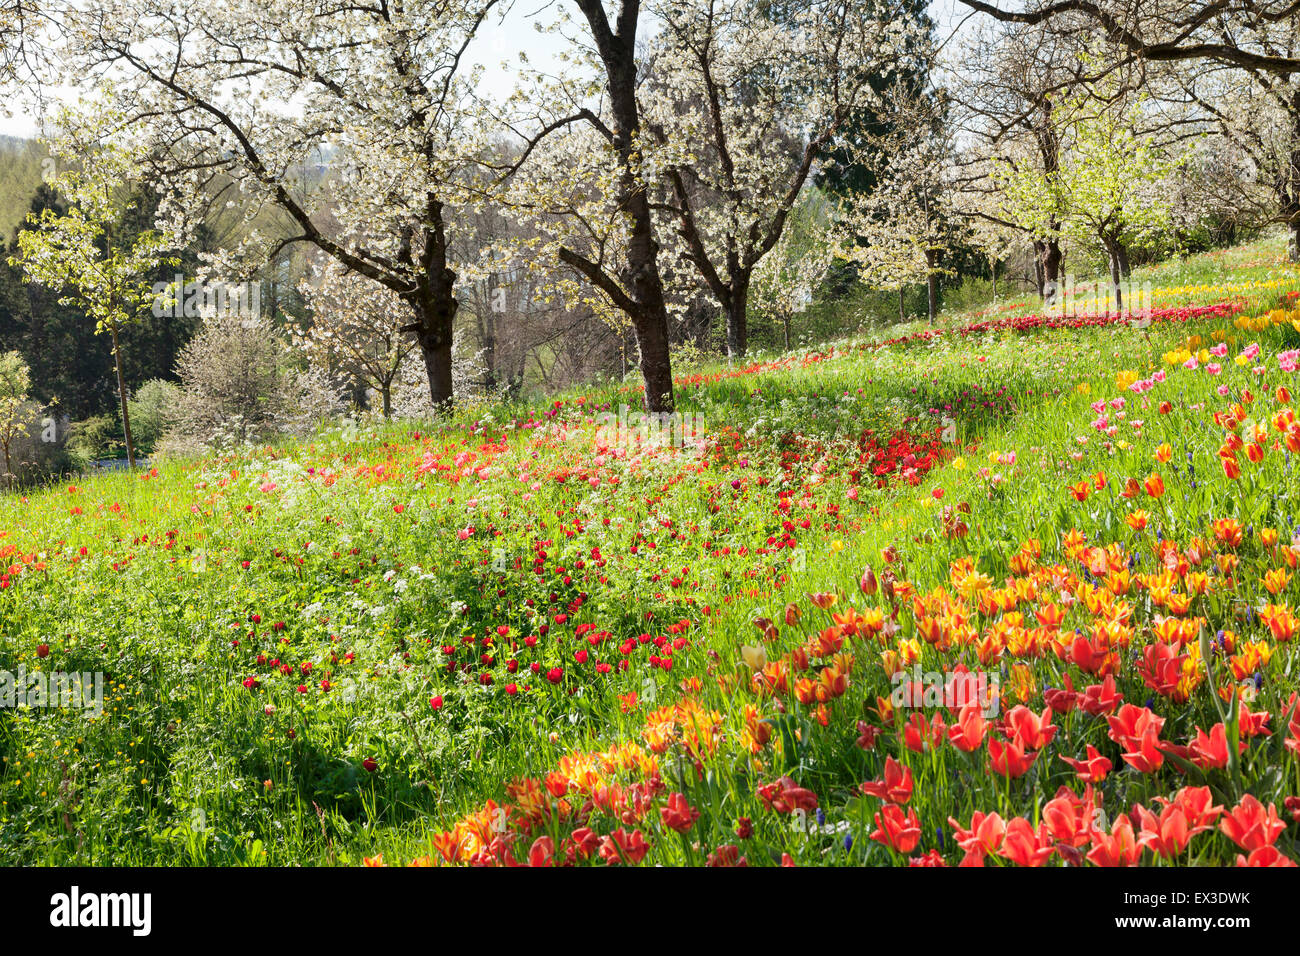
x=532, y=635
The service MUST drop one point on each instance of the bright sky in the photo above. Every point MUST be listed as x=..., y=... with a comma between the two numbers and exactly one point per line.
x=504, y=42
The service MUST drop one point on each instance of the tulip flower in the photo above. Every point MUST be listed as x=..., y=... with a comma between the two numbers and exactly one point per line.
x=677, y=814
x=1009, y=759
x=1025, y=846
x=1250, y=825
x=895, y=786
x=1093, y=769
x=899, y=831
x=1166, y=834
x=1120, y=847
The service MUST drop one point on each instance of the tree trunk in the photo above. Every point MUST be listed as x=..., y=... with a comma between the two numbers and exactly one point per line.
x=785, y=321
x=656, y=366
x=387, y=391
x=1050, y=260
x=641, y=281
x=651, y=324
x=435, y=305
x=902, y=305
x=993, y=268
x=437, y=363
x=1121, y=253
x=490, y=348
x=932, y=284
x=1291, y=185
x=1113, y=251
x=121, y=393
x=737, y=320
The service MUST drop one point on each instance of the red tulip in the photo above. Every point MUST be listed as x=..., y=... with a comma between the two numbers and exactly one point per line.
x=899, y=831
x=678, y=814
x=1265, y=856
x=1166, y=834
x=895, y=787
x=1024, y=846
x=1250, y=826
x=541, y=852
x=1092, y=770
x=1009, y=759
x=1120, y=847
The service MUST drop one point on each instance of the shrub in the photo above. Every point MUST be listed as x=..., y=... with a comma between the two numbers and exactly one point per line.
x=153, y=411
x=235, y=389
x=94, y=438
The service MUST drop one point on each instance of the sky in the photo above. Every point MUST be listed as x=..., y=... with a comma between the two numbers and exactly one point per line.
x=503, y=42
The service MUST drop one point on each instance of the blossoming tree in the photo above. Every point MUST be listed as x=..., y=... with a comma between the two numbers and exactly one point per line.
x=743, y=99
x=357, y=125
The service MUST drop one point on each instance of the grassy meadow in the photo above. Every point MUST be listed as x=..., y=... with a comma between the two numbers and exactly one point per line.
x=533, y=634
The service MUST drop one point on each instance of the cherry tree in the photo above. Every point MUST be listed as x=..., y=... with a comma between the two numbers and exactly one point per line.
x=583, y=196
x=1009, y=82
x=786, y=279
x=356, y=328
x=1255, y=117
x=1109, y=189
x=1256, y=37
x=357, y=125
x=758, y=93
x=15, y=381
x=901, y=230
x=987, y=227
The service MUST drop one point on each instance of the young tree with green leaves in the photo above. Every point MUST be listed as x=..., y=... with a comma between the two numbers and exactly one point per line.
x=1108, y=189
x=82, y=251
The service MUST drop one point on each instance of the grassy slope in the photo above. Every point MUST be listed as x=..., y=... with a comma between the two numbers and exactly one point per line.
x=357, y=551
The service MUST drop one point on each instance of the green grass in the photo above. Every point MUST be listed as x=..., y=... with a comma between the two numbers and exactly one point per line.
x=381, y=548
